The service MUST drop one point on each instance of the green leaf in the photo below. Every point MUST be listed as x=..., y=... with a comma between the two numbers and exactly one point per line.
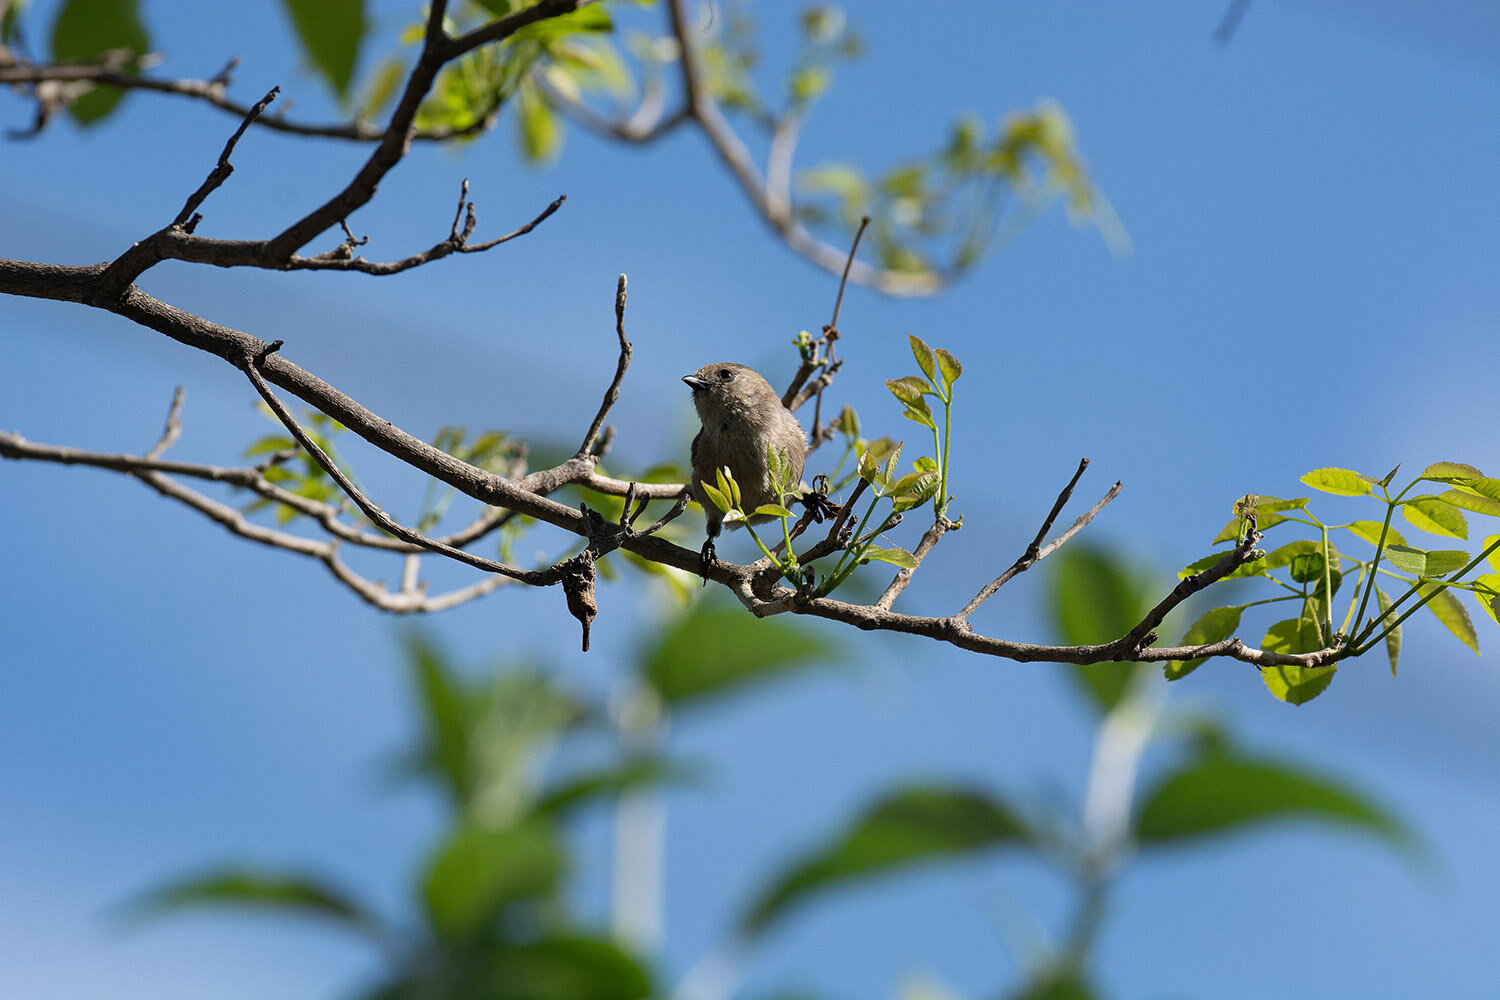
x=1221, y=792
x=716, y=497
x=249, y=889
x=86, y=29
x=1393, y=637
x=920, y=412
x=1451, y=612
x=894, y=556
x=1294, y=684
x=477, y=872
x=1483, y=487
x=445, y=717
x=948, y=367
x=1058, y=982
x=613, y=780
x=1294, y=555
x=330, y=32
x=1446, y=472
x=1211, y=626
x=1306, y=567
x=1297, y=685
x=557, y=967
x=1487, y=590
x=923, y=354
x=1494, y=551
x=381, y=89
x=1342, y=482
x=1476, y=502
x=1255, y=567
x=480, y=739
x=906, y=827
x=268, y=445
x=771, y=510
x=908, y=389
x=1269, y=511
x=1435, y=517
x=712, y=651
x=1370, y=532
x=1441, y=562
x=541, y=133
x=1094, y=598
x=848, y=422
x=1404, y=557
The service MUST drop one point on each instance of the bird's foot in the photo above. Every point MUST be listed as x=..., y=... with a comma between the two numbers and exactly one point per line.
x=706, y=559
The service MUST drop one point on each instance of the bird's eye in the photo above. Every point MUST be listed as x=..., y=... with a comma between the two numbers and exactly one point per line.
x=725, y=374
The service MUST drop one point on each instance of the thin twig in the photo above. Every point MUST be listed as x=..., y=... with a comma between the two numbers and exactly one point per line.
x=173, y=428
x=339, y=261
x=612, y=394
x=794, y=397
x=1036, y=552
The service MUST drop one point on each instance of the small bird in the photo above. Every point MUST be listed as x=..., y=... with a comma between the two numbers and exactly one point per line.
x=742, y=419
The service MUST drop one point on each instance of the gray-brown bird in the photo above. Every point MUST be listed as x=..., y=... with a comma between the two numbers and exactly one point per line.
x=742, y=418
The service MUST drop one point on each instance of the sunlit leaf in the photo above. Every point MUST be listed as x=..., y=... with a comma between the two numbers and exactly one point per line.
x=907, y=827
x=1255, y=567
x=1441, y=562
x=1476, y=502
x=1211, y=626
x=1343, y=482
x=1406, y=558
x=1487, y=590
x=908, y=389
x=1451, y=612
x=1370, y=532
x=894, y=556
x=771, y=510
x=1443, y=472
x=948, y=368
x=1292, y=683
x=1393, y=637
x=923, y=354
x=1435, y=517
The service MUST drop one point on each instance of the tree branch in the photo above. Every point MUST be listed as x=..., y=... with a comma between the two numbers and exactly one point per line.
x=1035, y=552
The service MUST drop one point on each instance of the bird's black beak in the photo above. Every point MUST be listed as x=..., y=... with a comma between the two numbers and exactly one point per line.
x=695, y=383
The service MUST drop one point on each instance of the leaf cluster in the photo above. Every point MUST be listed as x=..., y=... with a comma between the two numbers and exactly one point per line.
x=1311, y=571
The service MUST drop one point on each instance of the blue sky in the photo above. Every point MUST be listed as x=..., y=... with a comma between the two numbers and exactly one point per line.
x=1316, y=233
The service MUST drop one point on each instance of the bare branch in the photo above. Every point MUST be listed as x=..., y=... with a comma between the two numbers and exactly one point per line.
x=223, y=168
x=1035, y=552
x=902, y=579
x=339, y=259
x=612, y=394
x=173, y=429
x=793, y=398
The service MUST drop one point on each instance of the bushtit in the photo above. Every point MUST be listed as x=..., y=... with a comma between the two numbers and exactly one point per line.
x=742, y=418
